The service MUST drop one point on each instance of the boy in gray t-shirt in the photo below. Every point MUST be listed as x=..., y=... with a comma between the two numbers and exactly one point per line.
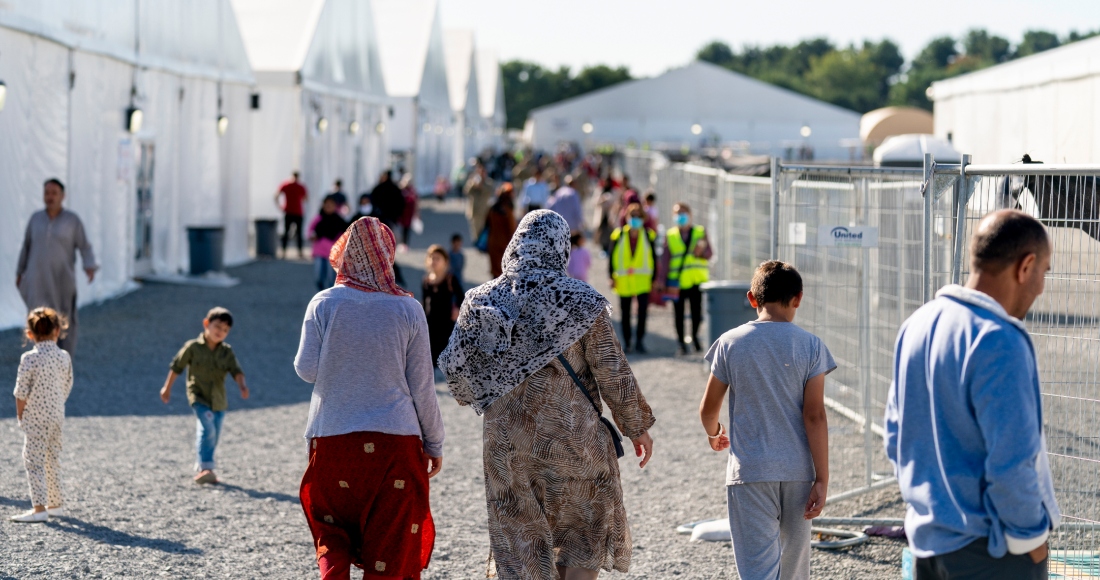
x=778, y=440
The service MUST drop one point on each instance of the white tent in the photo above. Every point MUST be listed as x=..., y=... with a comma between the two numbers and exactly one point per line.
x=1046, y=105
x=909, y=150
x=462, y=87
x=490, y=80
x=72, y=69
x=321, y=97
x=699, y=105
x=410, y=40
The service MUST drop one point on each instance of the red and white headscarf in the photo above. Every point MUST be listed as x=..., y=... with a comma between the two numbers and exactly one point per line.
x=363, y=258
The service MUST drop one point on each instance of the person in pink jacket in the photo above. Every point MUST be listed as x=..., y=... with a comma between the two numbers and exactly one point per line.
x=324, y=230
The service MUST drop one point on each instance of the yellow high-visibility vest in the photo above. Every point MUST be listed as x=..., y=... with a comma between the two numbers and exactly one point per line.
x=683, y=266
x=633, y=272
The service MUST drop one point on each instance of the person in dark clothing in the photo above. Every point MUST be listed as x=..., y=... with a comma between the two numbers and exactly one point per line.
x=324, y=230
x=366, y=209
x=388, y=201
x=442, y=296
x=339, y=197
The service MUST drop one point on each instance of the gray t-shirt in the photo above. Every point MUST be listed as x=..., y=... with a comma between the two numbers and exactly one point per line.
x=766, y=365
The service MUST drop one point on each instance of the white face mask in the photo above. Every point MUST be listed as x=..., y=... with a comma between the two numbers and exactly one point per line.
x=366, y=208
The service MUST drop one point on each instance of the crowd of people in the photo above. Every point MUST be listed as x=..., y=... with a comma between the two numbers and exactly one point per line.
x=535, y=352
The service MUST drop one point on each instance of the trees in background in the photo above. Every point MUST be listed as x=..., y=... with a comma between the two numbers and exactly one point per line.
x=857, y=77
x=874, y=75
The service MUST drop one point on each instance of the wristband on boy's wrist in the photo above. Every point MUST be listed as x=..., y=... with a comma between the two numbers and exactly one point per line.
x=721, y=431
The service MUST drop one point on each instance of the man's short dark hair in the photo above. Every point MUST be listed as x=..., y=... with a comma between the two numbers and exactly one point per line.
x=56, y=182
x=1005, y=237
x=456, y=238
x=218, y=313
x=775, y=281
x=295, y=174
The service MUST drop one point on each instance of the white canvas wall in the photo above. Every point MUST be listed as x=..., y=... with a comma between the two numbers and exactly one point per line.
x=96, y=189
x=163, y=109
x=234, y=160
x=277, y=132
x=33, y=146
x=1056, y=122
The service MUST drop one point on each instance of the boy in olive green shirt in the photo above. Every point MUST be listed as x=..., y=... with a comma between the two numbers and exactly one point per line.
x=207, y=360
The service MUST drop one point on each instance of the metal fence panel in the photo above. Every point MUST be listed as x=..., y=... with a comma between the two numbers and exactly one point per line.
x=1064, y=322
x=855, y=298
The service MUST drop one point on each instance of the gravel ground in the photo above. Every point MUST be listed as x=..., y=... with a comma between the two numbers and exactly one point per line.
x=135, y=513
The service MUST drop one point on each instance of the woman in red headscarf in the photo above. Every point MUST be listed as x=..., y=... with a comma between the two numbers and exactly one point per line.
x=374, y=429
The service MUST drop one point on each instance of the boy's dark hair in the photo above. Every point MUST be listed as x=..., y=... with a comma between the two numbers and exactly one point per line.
x=43, y=321
x=575, y=238
x=651, y=196
x=218, y=313
x=1006, y=238
x=456, y=238
x=56, y=182
x=775, y=281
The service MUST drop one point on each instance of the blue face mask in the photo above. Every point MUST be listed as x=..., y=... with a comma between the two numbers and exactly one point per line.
x=636, y=223
x=682, y=219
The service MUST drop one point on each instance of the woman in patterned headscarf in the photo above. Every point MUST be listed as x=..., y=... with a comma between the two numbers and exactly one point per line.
x=375, y=431
x=551, y=473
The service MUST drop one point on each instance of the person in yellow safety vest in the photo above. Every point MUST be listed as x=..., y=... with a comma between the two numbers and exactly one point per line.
x=633, y=265
x=685, y=265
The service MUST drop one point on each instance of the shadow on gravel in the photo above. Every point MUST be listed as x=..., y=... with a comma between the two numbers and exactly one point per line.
x=114, y=537
x=126, y=344
x=7, y=501
x=256, y=494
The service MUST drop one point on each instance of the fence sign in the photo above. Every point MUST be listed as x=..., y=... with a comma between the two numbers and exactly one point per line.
x=796, y=233
x=848, y=236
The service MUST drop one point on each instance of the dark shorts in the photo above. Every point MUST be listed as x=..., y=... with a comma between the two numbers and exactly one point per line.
x=974, y=563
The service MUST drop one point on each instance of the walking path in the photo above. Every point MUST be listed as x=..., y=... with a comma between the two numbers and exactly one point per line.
x=134, y=511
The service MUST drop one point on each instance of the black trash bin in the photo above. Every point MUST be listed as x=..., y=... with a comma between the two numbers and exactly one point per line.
x=207, y=246
x=267, y=238
x=727, y=307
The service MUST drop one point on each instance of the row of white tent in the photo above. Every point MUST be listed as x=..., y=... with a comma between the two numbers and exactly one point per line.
x=160, y=116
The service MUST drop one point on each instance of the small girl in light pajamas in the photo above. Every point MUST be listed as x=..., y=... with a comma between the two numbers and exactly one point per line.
x=41, y=387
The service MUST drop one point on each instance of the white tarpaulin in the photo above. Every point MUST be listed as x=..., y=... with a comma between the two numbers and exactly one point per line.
x=73, y=68
x=490, y=81
x=463, y=89
x=699, y=104
x=314, y=60
x=1044, y=105
x=411, y=46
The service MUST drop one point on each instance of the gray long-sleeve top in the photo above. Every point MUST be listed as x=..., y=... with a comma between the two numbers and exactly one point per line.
x=367, y=355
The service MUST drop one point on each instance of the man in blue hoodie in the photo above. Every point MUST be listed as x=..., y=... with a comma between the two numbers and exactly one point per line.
x=964, y=415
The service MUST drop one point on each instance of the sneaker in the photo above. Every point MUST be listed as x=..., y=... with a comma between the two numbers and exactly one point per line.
x=206, y=476
x=31, y=517
x=640, y=349
x=683, y=349
x=56, y=512
x=695, y=343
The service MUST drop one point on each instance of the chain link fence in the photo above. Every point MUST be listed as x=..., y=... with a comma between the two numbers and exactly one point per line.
x=1064, y=322
x=873, y=245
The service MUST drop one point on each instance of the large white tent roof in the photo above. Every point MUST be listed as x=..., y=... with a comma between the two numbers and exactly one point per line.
x=1071, y=62
x=490, y=84
x=410, y=40
x=724, y=105
x=324, y=44
x=458, y=47
x=195, y=38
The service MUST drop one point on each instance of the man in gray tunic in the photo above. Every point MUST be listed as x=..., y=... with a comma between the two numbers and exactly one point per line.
x=47, y=264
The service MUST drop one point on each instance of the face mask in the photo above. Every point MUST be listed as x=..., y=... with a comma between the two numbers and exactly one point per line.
x=636, y=223
x=366, y=208
x=682, y=219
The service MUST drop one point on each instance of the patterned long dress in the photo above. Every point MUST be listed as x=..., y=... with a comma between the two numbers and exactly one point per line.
x=551, y=475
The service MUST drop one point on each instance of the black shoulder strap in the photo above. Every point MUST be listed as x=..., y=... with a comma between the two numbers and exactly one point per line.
x=577, y=381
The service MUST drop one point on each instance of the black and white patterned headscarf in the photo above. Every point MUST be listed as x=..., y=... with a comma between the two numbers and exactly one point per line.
x=512, y=326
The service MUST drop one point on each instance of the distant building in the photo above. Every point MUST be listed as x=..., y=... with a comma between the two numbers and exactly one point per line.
x=146, y=120
x=1046, y=105
x=410, y=41
x=494, y=117
x=699, y=105
x=463, y=89
x=320, y=102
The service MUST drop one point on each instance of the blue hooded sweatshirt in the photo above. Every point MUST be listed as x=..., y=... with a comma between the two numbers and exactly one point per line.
x=964, y=429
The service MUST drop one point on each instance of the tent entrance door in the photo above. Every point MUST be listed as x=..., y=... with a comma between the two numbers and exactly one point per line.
x=143, y=225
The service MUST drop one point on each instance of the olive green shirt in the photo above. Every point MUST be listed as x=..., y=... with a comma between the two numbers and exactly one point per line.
x=206, y=370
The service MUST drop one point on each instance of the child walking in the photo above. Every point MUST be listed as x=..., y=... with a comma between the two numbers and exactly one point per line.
x=43, y=383
x=778, y=440
x=442, y=296
x=579, y=258
x=207, y=360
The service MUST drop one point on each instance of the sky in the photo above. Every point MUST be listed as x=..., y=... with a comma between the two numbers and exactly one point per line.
x=651, y=36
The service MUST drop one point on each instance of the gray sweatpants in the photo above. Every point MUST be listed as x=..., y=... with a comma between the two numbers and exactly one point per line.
x=771, y=540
